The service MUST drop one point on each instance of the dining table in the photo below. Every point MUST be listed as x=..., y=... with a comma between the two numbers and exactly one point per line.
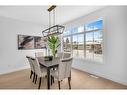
x=49, y=65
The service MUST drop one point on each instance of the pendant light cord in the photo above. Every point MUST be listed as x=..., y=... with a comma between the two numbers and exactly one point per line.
x=54, y=16
x=49, y=22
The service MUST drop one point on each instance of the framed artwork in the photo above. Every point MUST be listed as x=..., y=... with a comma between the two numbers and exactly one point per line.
x=25, y=42
x=30, y=42
x=39, y=42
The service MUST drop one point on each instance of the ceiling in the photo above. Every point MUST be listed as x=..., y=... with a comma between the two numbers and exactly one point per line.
x=39, y=14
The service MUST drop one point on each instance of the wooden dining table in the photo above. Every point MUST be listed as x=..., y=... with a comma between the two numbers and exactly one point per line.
x=49, y=65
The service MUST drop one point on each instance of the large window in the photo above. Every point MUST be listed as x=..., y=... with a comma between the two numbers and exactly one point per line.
x=94, y=40
x=85, y=41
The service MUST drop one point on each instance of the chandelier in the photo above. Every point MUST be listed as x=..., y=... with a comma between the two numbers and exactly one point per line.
x=52, y=29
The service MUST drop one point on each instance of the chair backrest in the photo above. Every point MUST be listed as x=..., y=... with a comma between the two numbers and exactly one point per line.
x=37, y=67
x=64, y=69
x=60, y=54
x=31, y=63
x=39, y=54
x=66, y=55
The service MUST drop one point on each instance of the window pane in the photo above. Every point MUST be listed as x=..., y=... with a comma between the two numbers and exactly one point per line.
x=81, y=29
x=81, y=45
x=75, y=45
x=67, y=44
x=94, y=25
x=89, y=45
x=67, y=32
x=98, y=46
x=74, y=30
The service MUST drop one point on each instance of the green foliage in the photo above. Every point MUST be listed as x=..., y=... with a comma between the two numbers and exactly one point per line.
x=53, y=44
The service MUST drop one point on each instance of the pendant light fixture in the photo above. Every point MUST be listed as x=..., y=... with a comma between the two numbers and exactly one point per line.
x=53, y=29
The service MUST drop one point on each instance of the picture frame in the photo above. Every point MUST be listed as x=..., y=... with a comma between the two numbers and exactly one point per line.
x=39, y=42
x=27, y=42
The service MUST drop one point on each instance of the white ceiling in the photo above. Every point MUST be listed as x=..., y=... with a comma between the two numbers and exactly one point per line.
x=39, y=14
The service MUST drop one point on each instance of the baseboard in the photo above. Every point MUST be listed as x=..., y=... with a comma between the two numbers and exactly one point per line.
x=103, y=76
x=14, y=70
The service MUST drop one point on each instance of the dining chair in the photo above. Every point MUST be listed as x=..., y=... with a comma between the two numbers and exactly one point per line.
x=64, y=71
x=39, y=54
x=31, y=67
x=66, y=55
x=39, y=72
x=60, y=54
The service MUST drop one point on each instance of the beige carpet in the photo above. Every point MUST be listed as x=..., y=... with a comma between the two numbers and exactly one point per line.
x=80, y=80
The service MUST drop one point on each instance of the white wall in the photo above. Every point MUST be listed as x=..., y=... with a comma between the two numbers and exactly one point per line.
x=114, y=66
x=11, y=58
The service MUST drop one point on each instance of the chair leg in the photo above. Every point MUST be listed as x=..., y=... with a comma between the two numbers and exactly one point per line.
x=69, y=82
x=59, y=84
x=70, y=75
x=51, y=80
x=31, y=74
x=53, y=77
x=35, y=79
x=39, y=83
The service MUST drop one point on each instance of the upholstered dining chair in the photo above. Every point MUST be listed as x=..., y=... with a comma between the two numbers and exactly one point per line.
x=39, y=72
x=39, y=54
x=66, y=55
x=31, y=67
x=60, y=54
x=63, y=71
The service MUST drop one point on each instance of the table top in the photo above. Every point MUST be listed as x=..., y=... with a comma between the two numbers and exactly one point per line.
x=53, y=63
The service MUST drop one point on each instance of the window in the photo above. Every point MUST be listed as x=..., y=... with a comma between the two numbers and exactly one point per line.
x=80, y=29
x=74, y=30
x=75, y=45
x=81, y=45
x=89, y=45
x=94, y=40
x=93, y=25
x=78, y=45
x=98, y=46
x=67, y=32
x=85, y=41
x=67, y=44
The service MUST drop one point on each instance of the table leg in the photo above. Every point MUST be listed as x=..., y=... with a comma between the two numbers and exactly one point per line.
x=48, y=78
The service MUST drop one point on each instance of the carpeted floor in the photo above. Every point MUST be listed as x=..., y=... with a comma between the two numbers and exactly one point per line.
x=80, y=80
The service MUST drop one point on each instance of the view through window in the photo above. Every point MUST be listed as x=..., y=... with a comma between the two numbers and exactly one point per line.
x=85, y=41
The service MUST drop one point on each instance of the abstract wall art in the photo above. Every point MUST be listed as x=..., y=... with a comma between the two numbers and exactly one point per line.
x=26, y=42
